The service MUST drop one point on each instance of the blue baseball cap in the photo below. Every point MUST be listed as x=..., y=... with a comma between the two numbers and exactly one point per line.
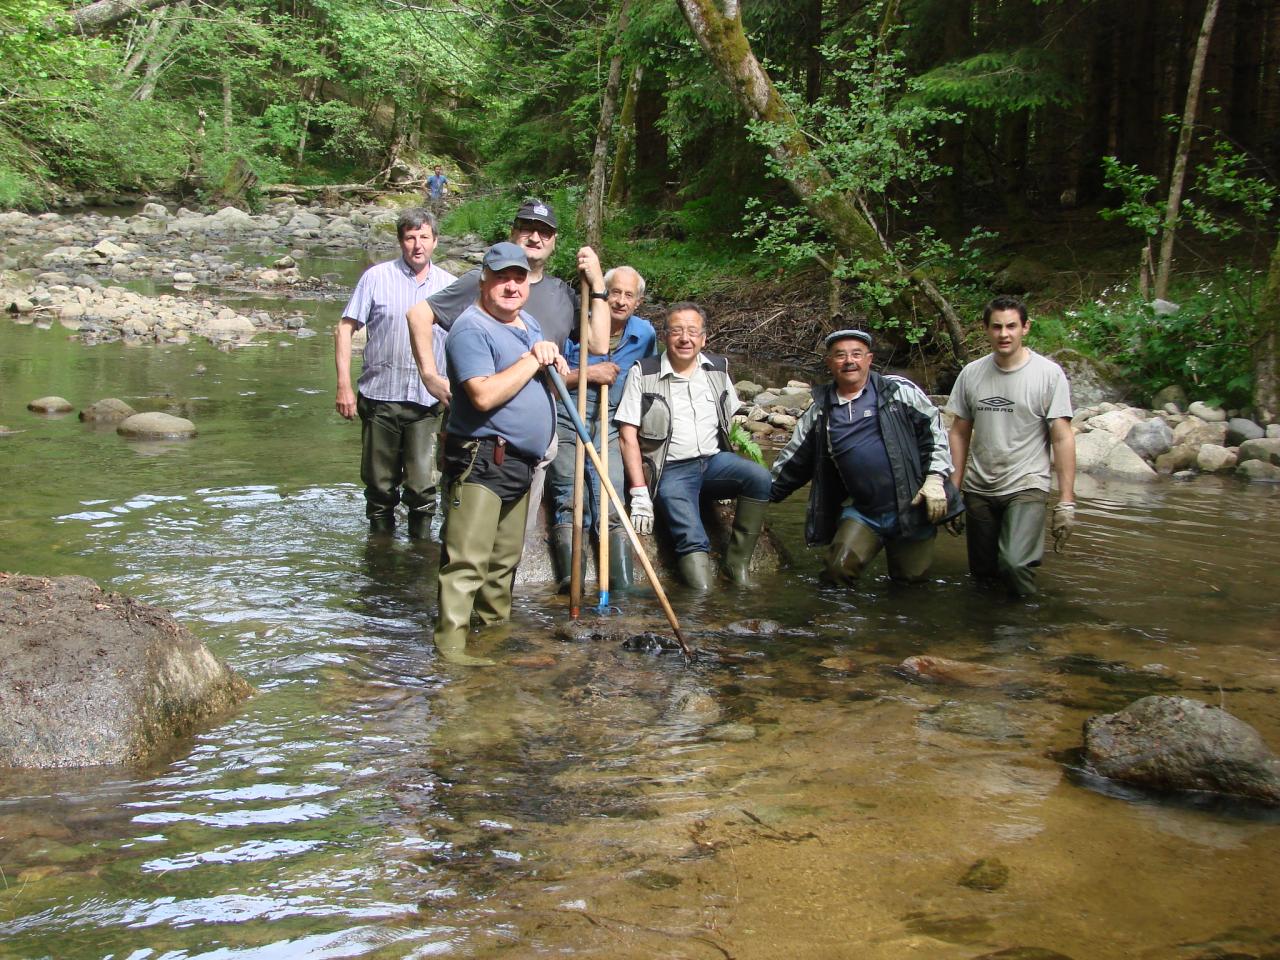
x=503, y=255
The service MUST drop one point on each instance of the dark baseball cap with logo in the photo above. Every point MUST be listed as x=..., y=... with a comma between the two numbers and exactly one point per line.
x=503, y=255
x=539, y=211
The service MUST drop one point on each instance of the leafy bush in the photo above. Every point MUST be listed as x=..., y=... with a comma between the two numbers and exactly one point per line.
x=1205, y=344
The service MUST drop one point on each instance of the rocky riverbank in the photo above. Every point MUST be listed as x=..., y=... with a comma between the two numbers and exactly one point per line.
x=77, y=270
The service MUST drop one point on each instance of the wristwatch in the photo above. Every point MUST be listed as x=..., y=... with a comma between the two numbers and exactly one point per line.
x=599, y=295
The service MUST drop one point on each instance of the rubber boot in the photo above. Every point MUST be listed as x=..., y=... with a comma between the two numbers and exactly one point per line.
x=384, y=524
x=748, y=518
x=470, y=529
x=562, y=555
x=419, y=525
x=854, y=546
x=493, y=600
x=621, y=569
x=695, y=570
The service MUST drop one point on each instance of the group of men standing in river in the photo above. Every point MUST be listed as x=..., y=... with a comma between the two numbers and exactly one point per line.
x=883, y=473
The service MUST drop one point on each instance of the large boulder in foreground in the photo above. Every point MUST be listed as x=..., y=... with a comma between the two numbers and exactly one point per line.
x=1172, y=743
x=94, y=678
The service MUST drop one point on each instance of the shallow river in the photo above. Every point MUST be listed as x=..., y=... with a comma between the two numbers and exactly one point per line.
x=365, y=803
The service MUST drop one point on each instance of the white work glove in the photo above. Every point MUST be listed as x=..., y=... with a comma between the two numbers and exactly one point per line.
x=641, y=509
x=934, y=496
x=1064, y=518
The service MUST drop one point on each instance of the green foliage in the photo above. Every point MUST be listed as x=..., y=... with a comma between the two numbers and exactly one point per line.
x=999, y=81
x=740, y=440
x=1206, y=343
x=1239, y=201
x=1141, y=209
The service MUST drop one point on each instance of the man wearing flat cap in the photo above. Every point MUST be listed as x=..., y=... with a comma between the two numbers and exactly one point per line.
x=500, y=424
x=877, y=455
x=552, y=302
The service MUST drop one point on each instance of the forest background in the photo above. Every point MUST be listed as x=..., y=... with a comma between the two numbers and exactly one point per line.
x=794, y=163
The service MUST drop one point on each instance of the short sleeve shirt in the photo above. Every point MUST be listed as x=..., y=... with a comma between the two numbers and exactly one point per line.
x=637, y=341
x=480, y=346
x=382, y=297
x=695, y=426
x=1011, y=411
x=552, y=302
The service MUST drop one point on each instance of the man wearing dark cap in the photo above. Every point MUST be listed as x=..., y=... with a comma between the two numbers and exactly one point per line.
x=877, y=455
x=552, y=302
x=500, y=424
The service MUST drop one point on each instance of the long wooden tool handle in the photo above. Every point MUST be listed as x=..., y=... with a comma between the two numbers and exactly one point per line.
x=618, y=505
x=579, y=461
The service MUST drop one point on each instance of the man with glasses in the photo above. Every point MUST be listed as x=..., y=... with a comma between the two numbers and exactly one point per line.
x=673, y=428
x=552, y=302
x=877, y=455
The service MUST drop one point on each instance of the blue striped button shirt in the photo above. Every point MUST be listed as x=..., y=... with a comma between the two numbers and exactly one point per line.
x=381, y=299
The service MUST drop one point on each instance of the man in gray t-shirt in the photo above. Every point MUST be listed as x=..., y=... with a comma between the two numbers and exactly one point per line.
x=1010, y=408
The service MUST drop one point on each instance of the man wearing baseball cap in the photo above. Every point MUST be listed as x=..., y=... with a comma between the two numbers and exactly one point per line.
x=552, y=302
x=500, y=423
x=877, y=454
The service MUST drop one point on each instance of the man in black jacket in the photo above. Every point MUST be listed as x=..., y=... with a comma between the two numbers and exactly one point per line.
x=878, y=457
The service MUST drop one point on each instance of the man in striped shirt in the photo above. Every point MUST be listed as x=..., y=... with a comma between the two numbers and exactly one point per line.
x=399, y=419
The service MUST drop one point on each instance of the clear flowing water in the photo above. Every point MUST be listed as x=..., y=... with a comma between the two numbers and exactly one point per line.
x=806, y=801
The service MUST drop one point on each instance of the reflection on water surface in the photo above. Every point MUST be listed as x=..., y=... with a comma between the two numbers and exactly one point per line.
x=808, y=801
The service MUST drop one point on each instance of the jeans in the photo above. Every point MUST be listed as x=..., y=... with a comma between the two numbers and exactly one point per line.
x=560, y=474
x=398, y=445
x=721, y=476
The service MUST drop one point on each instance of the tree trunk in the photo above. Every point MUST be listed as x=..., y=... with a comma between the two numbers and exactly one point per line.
x=226, y=109
x=626, y=136
x=1266, y=371
x=1184, y=149
x=723, y=39
x=144, y=47
x=156, y=59
x=594, y=219
x=101, y=16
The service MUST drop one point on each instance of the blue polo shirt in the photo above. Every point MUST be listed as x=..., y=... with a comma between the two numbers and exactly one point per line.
x=857, y=447
x=638, y=340
x=480, y=346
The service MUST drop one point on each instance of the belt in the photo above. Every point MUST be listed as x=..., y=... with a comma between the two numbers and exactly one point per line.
x=492, y=445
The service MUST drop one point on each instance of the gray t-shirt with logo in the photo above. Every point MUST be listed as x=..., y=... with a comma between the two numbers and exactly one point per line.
x=1011, y=411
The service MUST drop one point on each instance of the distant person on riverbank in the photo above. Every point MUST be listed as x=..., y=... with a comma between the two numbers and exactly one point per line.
x=552, y=302
x=500, y=424
x=437, y=190
x=673, y=428
x=399, y=419
x=1011, y=408
x=876, y=452
x=631, y=338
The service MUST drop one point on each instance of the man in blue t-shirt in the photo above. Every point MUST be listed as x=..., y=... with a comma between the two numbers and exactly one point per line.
x=631, y=339
x=437, y=189
x=500, y=423
x=874, y=448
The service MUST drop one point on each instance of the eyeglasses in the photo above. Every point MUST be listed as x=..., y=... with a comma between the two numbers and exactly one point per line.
x=535, y=226
x=840, y=356
x=691, y=332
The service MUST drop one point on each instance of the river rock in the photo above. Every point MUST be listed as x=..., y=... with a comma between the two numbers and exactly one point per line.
x=1266, y=449
x=961, y=673
x=109, y=410
x=1259, y=471
x=230, y=218
x=1093, y=381
x=1171, y=394
x=1197, y=431
x=154, y=211
x=108, y=250
x=1207, y=413
x=50, y=405
x=1179, y=458
x=1273, y=431
x=1117, y=422
x=1150, y=438
x=1213, y=458
x=987, y=875
x=1173, y=743
x=226, y=328
x=1101, y=452
x=1239, y=430
x=97, y=678
x=156, y=426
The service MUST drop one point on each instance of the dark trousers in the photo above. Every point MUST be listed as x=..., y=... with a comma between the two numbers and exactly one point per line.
x=1005, y=537
x=398, y=447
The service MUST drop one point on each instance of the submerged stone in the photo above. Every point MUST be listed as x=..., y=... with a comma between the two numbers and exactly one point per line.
x=50, y=405
x=963, y=673
x=156, y=426
x=1024, y=953
x=107, y=411
x=987, y=721
x=987, y=874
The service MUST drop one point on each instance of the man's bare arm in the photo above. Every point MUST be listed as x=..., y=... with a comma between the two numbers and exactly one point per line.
x=632, y=462
x=345, y=403
x=422, y=321
x=1063, y=439
x=958, y=439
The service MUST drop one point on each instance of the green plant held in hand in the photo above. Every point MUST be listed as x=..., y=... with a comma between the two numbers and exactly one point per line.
x=742, y=443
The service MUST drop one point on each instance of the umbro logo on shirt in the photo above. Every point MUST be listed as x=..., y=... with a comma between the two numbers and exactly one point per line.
x=996, y=405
